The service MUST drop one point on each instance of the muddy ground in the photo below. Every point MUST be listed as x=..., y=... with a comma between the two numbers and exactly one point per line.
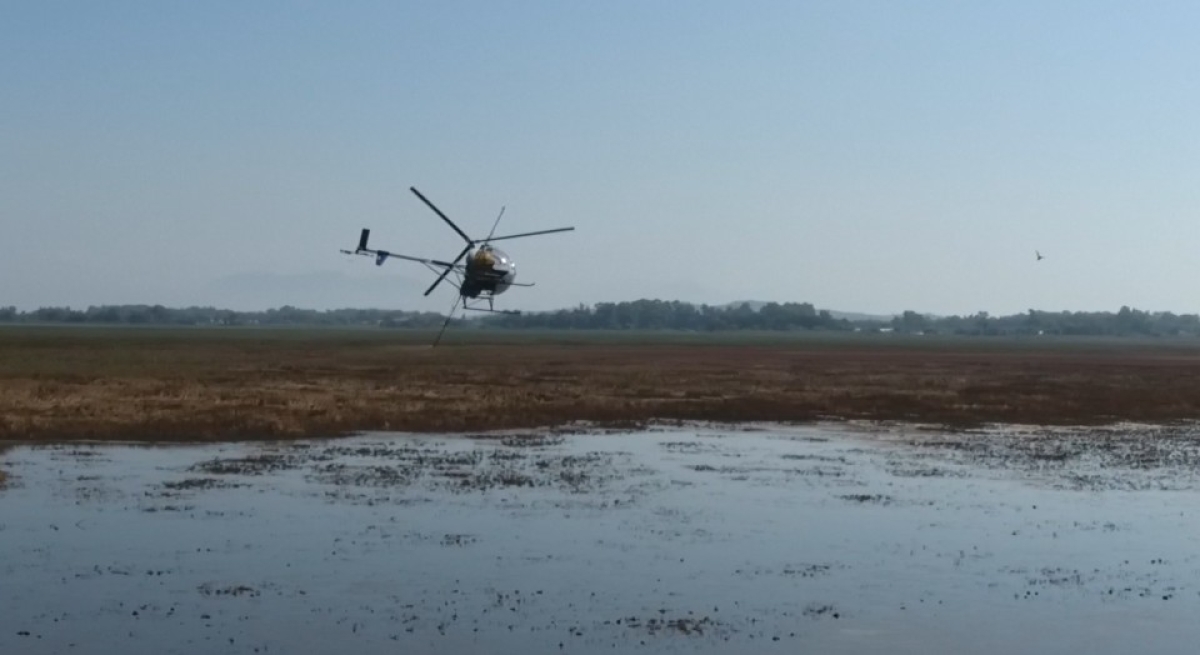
x=832, y=538
x=189, y=384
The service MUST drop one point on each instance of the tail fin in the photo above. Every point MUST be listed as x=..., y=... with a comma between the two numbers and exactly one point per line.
x=362, y=240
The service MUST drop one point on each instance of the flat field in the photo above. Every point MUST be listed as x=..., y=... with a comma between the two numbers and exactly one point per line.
x=185, y=384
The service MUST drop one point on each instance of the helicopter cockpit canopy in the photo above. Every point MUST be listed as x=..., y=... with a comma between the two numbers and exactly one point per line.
x=491, y=258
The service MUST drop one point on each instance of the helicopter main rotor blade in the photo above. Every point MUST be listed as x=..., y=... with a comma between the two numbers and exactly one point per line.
x=493, y=230
x=447, y=322
x=530, y=234
x=449, y=268
x=443, y=216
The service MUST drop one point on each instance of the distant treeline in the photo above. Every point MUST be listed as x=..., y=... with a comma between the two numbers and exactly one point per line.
x=646, y=315
x=1124, y=322
x=160, y=315
x=674, y=315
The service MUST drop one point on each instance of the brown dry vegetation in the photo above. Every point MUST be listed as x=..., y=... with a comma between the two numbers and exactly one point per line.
x=209, y=384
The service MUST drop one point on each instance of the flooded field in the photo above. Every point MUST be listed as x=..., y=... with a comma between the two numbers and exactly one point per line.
x=763, y=539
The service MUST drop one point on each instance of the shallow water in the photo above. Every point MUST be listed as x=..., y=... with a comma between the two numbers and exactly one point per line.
x=817, y=539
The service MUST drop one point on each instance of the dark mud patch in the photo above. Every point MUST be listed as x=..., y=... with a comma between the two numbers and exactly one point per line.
x=577, y=474
x=838, y=459
x=79, y=454
x=1101, y=526
x=808, y=438
x=746, y=472
x=532, y=440
x=574, y=473
x=197, y=484
x=918, y=470
x=1060, y=577
x=689, y=447
x=151, y=509
x=96, y=491
x=809, y=570
x=820, y=611
x=251, y=465
x=1124, y=582
x=484, y=480
x=742, y=470
x=360, y=476
x=459, y=539
x=697, y=626
x=210, y=589
x=709, y=468
x=872, y=499
x=469, y=471
x=97, y=571
x=798, y=570
x=1129, y=458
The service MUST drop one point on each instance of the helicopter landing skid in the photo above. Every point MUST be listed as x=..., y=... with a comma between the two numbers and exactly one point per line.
x=512, y=312
x=491, y=310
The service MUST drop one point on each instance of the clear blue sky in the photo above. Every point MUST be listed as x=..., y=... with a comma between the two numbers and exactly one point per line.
x=862, y=156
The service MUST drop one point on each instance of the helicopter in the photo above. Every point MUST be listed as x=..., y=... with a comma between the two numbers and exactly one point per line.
x=486, y=273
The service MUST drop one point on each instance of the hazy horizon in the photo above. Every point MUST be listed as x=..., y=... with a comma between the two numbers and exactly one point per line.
x=837, y=311
x=867, y=157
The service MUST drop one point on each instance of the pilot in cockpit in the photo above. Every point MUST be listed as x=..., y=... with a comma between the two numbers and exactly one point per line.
x=484, y=258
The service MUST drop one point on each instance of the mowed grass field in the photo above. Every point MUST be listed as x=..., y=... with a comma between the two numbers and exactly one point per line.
x=116, y=383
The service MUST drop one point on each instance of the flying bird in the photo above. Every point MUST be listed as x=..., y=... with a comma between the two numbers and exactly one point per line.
x=1039, y=255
